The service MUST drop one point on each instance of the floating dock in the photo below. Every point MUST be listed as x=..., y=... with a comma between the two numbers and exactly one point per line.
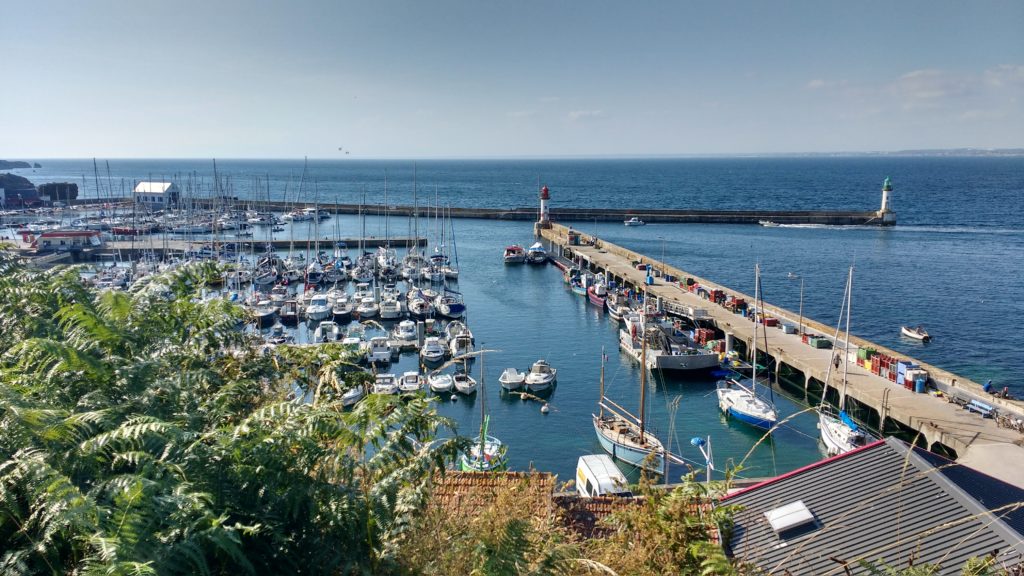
x=944, y=426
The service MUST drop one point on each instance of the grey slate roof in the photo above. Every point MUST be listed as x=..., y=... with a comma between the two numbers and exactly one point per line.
x=885, y=502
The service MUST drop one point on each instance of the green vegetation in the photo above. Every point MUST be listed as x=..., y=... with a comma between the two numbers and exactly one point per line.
x=144, y=435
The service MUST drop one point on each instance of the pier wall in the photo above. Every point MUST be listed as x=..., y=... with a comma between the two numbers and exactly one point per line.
x=942, y=424
x=821, y=217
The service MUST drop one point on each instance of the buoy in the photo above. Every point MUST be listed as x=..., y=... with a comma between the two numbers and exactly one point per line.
x=522, y=397
x=544, y=409
x=455, y=398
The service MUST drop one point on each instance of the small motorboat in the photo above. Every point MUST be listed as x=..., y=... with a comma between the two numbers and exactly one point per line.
x=405, y=332
x=768, y=223
x=264, y=312
x=540, y=377
x=379, y=350
x=440, y=382
x=918, y=333
x=536, y=254
x=433, y=350
x=327, y=331
x=385, y=384
x=410, y=382
x=318, y=308
x=514, y=254
x=634, y=221
x=464, y=383
x=512, y=379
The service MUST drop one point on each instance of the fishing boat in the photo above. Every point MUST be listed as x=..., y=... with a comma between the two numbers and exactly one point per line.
x=512, y=379
x=738, y=398
x=839, y=433
x=597, y=292
x=342, y=308
x=264, y=313
x=367, y=308
x=440, y=382
x=625, y=436
x=410, y=382
x=487, y=453
x=385, y=384
x=326, y=331
x=541, y=377
x=514, y=254
x=536, y=254
x=918, y=333
x=433, y=350
x=634, y=221
x=405, y=332
x=318, y=308
x=379, y=350
x=391, y=308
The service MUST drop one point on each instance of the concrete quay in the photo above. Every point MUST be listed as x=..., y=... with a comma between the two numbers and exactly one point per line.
x=945, y=426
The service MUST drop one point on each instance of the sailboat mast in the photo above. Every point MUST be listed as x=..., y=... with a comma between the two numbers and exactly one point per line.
x=600, y=399
x=846, y=344
x=483, y=403
x=643, y=380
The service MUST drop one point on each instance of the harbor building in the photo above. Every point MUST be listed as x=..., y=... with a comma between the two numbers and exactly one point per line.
x=156, y=195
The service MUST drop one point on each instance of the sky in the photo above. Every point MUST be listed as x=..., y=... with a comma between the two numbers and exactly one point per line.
x=477, y=78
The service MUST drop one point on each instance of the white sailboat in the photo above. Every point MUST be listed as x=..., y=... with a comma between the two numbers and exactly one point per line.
x=738, y=398
x=839, y=432
x=625, y=436
x=487, y=453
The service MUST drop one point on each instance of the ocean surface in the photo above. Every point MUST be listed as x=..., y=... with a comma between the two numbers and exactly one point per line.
x=954, y=263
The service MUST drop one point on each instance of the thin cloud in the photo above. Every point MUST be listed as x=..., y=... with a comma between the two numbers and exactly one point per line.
x=520, y=113
x=576, y=115
x=548, y=99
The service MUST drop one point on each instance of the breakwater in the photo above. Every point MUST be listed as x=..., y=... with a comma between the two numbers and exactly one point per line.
x=527, y=214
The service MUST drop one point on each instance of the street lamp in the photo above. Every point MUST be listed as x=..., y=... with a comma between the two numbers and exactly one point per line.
x=662, y=238
x=705, y=449
x=792, y=276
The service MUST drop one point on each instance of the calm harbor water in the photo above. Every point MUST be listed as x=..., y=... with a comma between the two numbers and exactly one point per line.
x=953, y=264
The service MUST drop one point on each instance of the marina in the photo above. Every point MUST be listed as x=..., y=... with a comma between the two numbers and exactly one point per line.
x=528, y=312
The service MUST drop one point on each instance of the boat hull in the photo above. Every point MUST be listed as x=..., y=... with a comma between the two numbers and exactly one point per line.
x=632, y=455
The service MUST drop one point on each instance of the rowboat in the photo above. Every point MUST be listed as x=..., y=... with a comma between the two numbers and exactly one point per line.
x=918, y=333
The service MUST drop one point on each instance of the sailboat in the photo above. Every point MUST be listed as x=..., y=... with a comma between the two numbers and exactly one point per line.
x=839, y=432
x=487, y=453
x=738, y=397
x=625, y=436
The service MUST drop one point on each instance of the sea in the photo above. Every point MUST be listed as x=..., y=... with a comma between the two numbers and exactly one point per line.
x=954, y=263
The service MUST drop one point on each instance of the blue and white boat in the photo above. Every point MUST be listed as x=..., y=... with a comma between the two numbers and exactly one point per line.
x=449, y=304
x=738, y=398
x=624, y=435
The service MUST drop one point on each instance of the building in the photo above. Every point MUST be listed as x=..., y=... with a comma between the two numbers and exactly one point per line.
x=64, y=240
x=887, y=502
x=156, y=195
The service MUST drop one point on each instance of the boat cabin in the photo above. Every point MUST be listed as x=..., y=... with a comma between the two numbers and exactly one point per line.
x=597, y=475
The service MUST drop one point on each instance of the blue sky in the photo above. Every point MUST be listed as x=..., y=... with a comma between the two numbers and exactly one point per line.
x=130, y=78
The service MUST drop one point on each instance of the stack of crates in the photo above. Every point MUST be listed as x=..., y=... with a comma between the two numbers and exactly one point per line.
x=901, y=371
x=703, y=335
x=864, y=358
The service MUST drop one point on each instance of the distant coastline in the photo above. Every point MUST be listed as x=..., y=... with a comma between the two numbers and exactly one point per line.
x=922, y=153
x=15, y=164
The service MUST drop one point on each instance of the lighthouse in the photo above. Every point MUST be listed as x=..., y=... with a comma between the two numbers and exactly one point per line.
x=886, y=213
x=544, y=220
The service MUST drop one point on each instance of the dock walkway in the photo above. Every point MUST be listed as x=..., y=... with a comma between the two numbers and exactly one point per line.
x=937, y=420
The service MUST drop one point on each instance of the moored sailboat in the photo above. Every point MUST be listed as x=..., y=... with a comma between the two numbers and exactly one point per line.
x=625, y=436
